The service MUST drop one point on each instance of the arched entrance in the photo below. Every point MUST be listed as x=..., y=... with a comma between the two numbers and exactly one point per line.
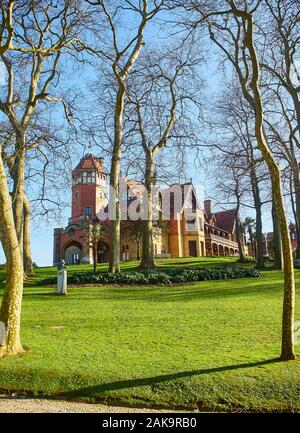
x=231, y=251
x=215, y=250
x=221, y=250
x=103, y=252
x=226, y=251
x=73, y=253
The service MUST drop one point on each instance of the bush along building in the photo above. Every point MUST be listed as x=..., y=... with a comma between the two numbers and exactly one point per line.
x=180, y=231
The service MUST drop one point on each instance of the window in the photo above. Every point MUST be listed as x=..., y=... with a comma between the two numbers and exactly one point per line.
x=191, y=224
x=75, y=258
x=84, y=176
x=88, y=210
x=76, y=194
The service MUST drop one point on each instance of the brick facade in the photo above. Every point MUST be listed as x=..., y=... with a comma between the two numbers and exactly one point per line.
x=190, y=232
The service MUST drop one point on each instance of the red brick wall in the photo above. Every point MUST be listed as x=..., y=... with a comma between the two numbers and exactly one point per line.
x=173, y=226
x=87, y=196
x=65, y=238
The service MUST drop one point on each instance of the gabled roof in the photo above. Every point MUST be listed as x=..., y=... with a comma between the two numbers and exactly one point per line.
x=225, y=220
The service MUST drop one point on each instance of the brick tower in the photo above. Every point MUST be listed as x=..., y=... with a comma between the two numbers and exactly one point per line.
x=72, y=243
x=89, y=188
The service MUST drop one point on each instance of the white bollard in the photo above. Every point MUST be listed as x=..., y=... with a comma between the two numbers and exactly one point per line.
x=62, y=282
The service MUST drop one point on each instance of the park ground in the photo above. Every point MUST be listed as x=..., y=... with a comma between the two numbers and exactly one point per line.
x=211, y=345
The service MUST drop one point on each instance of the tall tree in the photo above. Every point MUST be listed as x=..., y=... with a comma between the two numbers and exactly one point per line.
x=235, y=134
x=247, y=66
x=160, y=97
x=232, y=29
x=121, y=51
x=39, y=34
x=10, y=311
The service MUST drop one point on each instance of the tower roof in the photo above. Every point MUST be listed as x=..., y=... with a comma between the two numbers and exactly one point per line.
x=90, y=162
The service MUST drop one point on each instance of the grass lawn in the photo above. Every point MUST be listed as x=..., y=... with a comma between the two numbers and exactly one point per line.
x=212, y=344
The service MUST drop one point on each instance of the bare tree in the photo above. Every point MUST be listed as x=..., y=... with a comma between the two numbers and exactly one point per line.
x=232, y=29
x=39, y=34
x=160, y=96
x=10, y=312
x=234, y=128
x=121, y=50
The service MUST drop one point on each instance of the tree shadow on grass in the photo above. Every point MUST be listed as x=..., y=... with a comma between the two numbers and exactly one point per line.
x=177, y=293
x=97, y=390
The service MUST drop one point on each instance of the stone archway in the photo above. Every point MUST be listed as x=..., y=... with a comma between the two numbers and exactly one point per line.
x=73, y=253
x=231, y=252
x=221, y=250
x=226, y=251
x=215, y=251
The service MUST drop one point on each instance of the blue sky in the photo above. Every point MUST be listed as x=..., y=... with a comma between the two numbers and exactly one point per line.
x=42, y=233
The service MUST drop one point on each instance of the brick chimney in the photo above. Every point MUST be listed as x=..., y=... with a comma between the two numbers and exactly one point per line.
x=207, y=207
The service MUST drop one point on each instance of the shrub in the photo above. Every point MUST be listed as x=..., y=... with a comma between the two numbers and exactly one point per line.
x=3, y=266
x=165, y=277
x=268, y=259
x=248, y=261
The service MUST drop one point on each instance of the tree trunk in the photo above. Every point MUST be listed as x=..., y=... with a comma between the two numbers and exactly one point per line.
x=27, y=258
x=115, y=224
x=296, y=181
x=251, y=92
x=18, y=175
x=95, y=261
x=276, y=240
x=259, y=234
x=287, y=343
x=147, y=261
x=10, y=311
x=239, y=235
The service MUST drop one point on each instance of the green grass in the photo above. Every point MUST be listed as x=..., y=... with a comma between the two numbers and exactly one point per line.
x=212, y=344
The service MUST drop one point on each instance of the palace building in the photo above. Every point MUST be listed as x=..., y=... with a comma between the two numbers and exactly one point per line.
x=188, y=231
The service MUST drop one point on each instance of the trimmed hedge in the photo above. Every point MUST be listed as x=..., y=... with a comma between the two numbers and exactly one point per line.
x=165, y=277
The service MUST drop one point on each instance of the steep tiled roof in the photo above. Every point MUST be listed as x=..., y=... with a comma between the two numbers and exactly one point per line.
x=89, y=162
x=225, y=220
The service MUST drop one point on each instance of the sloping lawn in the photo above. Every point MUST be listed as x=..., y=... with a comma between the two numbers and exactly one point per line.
x=212, y=344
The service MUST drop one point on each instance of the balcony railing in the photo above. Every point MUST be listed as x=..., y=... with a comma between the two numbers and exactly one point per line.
x=220, y=239
x=81, y=218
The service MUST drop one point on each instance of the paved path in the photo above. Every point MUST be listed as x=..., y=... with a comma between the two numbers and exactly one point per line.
x=31, y=405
